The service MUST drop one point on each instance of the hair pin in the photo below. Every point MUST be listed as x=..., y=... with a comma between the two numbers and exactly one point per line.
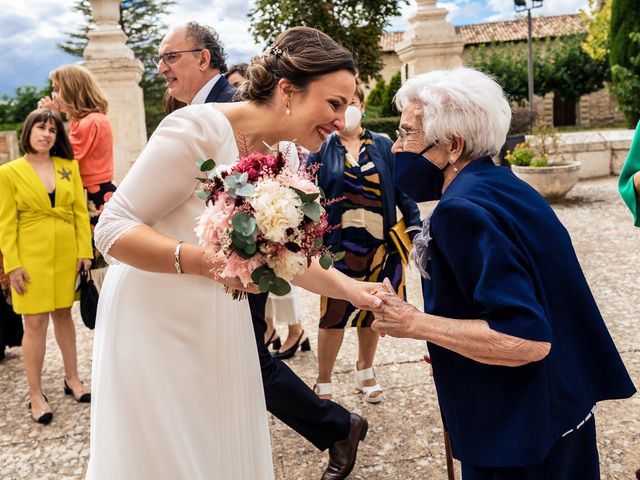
x=273, y=49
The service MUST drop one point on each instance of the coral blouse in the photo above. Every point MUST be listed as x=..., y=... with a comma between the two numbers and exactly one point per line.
x=92, y=143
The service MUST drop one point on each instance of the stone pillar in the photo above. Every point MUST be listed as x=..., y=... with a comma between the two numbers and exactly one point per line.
x=430, y=43
x=8, y=146
x=118, y=73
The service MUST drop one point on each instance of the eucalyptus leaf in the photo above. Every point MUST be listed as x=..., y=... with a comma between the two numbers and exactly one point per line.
x=312, y=211
x=279, y=286
x=340, y=255
x=206, y=165
x=258, y=272
x=250, y=249
x=246, y=190
x=202, y=194
x=326, y=261
x=264, y=283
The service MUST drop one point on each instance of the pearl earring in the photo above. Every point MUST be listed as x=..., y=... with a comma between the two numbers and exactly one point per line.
x=289, y=108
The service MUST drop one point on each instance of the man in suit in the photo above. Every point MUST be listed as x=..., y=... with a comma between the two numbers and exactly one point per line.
x=192, y=61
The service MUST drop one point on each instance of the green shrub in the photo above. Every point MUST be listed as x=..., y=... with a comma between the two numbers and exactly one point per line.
x=375, y=95
x=387, y=125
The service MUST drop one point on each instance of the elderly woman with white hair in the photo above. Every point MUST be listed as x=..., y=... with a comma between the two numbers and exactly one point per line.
x=520, y=352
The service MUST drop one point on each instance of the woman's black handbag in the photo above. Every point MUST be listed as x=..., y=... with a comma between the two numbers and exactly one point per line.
x=88, y=299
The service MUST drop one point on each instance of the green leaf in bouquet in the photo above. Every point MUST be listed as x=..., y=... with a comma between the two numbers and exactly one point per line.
x=206, y=165
x=279, y=286
x=244, y=224
x=264, y=283
x=202, y=194
x=312, y=211
x=242, y=253
x=233, y=180
x=239, y=241
x=326, y=261
x=306, y=197
x=258, y=272
x=250, y=249
x=245, y=191
x=322, y=194
x=317, y=243
x=340, y=255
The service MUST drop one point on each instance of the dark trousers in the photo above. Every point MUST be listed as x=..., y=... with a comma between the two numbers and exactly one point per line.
x=573, y=457
x=322, y=422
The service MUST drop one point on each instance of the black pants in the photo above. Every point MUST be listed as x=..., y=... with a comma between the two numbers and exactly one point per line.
x=322, y=422
x=574, y=457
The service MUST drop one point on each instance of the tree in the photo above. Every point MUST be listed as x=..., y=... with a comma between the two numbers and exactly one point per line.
x=25, y=99
x=597, y=19
x=375, y=95
x=626, y=85
x=141, y=22
x=624, y=57
x=387, y=107
x=356, y=24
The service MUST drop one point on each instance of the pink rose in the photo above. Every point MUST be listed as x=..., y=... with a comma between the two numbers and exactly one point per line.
x=241, y=268
x=214, y=220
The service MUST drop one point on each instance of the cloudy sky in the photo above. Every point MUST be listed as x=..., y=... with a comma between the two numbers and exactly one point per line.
x=30, y=29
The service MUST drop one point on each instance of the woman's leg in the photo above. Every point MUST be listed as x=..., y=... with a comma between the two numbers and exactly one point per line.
x=329, y=343
x=367, y=346
x=288, y=310
x=34, y=344
x=66, y=337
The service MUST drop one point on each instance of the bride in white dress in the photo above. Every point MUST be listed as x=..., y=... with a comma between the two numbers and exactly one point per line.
x=177, y=389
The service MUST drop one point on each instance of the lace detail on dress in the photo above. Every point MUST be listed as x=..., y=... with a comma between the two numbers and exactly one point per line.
x=421, y=252
x=113, y=223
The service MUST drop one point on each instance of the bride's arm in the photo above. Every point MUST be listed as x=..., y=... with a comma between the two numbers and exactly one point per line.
x=162, y=178
x=334, y=284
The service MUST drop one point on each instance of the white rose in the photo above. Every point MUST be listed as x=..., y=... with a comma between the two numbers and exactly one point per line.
x=288, y=264
x=277, y=208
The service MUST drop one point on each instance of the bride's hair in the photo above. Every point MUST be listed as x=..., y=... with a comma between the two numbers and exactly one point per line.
x=299, y=54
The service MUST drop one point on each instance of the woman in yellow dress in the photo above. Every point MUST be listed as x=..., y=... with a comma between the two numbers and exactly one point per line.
x=45, y=239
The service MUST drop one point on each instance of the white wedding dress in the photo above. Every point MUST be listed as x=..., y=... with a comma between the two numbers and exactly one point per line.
x=177, y=390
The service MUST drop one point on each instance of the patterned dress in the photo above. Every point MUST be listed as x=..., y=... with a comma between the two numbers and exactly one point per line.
x=362, y=240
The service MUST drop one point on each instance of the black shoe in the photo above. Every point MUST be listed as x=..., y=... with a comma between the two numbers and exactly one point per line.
x=342, y=454
x=273, y=341
x=45, y=418
x=290, y=352
x=85, y=398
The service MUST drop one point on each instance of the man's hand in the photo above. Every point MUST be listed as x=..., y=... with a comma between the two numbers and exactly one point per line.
x=394, y=317
x=18, y=278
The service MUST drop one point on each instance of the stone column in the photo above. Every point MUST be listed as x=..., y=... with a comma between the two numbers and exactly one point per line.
x=430, y=43
x=118, y=73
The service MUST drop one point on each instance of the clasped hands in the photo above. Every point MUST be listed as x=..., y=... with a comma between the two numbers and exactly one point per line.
x=394, y=316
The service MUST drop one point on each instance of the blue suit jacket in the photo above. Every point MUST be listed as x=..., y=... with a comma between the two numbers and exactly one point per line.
x=331, y=175
x=222, y=91
x=499, y=253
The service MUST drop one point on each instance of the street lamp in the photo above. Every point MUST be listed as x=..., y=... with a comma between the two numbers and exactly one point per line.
x=521, y=6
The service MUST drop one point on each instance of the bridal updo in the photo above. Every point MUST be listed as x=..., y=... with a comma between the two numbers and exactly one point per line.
x=299, y=54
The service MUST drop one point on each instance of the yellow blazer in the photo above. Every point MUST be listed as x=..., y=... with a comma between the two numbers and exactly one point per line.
x=46, y=241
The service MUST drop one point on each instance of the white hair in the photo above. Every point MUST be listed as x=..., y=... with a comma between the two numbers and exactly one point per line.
x=460, y=102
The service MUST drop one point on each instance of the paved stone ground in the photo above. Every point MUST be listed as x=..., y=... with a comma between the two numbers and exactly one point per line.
x=405, y=439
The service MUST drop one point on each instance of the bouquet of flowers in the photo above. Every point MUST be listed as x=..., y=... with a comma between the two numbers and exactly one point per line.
x=265, y=218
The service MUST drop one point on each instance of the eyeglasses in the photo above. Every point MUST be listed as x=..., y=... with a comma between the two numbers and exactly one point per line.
x=171, y=57
x=403, y=134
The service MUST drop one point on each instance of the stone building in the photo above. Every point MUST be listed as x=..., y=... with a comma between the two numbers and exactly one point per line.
x=594, y=109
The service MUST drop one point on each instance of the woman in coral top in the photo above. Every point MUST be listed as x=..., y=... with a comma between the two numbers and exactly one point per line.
x=76, y=93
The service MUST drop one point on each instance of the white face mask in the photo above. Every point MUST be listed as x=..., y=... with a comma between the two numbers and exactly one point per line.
x=352, y=118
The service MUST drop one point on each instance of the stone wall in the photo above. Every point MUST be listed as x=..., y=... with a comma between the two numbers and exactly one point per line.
x=8, y=146
x=600, y=153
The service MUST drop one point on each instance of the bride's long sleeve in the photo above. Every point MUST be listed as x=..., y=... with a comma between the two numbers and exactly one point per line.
x=164, y=175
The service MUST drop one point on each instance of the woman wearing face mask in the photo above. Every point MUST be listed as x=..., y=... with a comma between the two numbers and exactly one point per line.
x=356, y=164
x=520, y=352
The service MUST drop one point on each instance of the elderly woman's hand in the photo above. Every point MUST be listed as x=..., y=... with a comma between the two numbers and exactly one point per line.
x=394, y=317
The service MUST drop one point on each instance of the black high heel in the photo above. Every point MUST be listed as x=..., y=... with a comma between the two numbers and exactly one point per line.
x=84, y=398
x=274, y=341
x=290, y=352
x=45, y=418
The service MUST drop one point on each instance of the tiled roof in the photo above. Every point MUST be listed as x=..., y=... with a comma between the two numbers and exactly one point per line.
x=504, y=31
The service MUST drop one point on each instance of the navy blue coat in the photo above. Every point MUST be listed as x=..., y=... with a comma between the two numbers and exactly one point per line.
x=222, y=91
x=499, y=253
x=330, y=179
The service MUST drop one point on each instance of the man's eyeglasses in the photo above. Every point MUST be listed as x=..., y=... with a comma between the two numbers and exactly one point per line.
x=403, y=134
x=170, y=57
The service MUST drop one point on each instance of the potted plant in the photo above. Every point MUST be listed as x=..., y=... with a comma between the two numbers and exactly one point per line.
x=532, y=162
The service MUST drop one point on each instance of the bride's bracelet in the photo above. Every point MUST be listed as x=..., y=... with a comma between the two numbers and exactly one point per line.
x=176, y=256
